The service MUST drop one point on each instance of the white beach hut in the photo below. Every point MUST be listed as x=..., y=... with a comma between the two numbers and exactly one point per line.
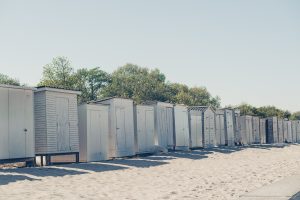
x=255, y=129
x=225, y=129
x=16, y=123
x=121, y=126
x=272, y=130
x=229, y=127
x=182, y=134
x=287, y=129
x=93, y=132
x=220, y=127
x=196, y=126
x=209, y=125
x=263, y=130
x=237, y=126
x=280, y=131
x=246, y=129
x=56, y=122
x=298, y=131
x=294, y=131
x=164, y=123
x=145, y=128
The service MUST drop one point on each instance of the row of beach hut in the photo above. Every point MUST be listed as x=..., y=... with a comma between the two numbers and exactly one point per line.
x=45, y=122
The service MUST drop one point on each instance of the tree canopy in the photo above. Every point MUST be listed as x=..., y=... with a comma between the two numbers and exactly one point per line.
x=6, y=80
x=139, y=83
x=60, y=74
x=264, y=111
x=142, y=84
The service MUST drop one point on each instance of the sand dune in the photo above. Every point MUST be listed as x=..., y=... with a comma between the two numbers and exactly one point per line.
x=223, y=173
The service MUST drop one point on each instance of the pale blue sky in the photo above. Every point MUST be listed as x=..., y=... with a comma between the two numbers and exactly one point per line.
x=243, y=51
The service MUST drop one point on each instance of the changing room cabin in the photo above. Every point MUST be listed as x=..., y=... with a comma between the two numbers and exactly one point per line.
x=298, y=131
x=93, y=132
x=121, y=129
x=237, y=126
x=255, y=129
x=229, y=127
x=280, y=131
x=220, y=127
x=164, y=124
x=272, y=130
x=56, y=122
x=263, y=130
x=246, y=130
x=208, y=125
x=294, y=131
x=287, y=131
x=225, y=122
x=144, y=129
x=182, y=134
x=16, y=124
x=196, y=126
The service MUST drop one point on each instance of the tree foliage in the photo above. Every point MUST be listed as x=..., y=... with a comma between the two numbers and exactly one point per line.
x=195, y=96
x=58, y=73
x=295, y=116
x=264, y=111
x=140, y=84
x=90, y=82
x=6, y=80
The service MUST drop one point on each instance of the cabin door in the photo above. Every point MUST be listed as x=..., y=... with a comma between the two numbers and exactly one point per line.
x=120, y=129
x=196, y=131
x=94, y=137
x=17, y=132
x=4, y=131
x=63, y=125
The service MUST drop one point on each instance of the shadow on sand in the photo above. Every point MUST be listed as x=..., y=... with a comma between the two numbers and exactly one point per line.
x=6, y=179
x=34, y=174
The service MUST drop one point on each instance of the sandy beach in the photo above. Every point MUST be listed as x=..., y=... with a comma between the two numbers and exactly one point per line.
x=220, y=173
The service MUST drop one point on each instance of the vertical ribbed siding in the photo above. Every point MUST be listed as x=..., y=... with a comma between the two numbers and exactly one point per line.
x=40, y=123
x=52, y=122
x=73, y=118
x=46, y=121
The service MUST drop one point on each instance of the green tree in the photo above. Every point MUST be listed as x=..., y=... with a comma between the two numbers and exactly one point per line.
x=6, y=80
x=140, y=84
x=58, y=73
x=264, y=111
x=246, y=109
x=90, y=82
x=295, y=116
